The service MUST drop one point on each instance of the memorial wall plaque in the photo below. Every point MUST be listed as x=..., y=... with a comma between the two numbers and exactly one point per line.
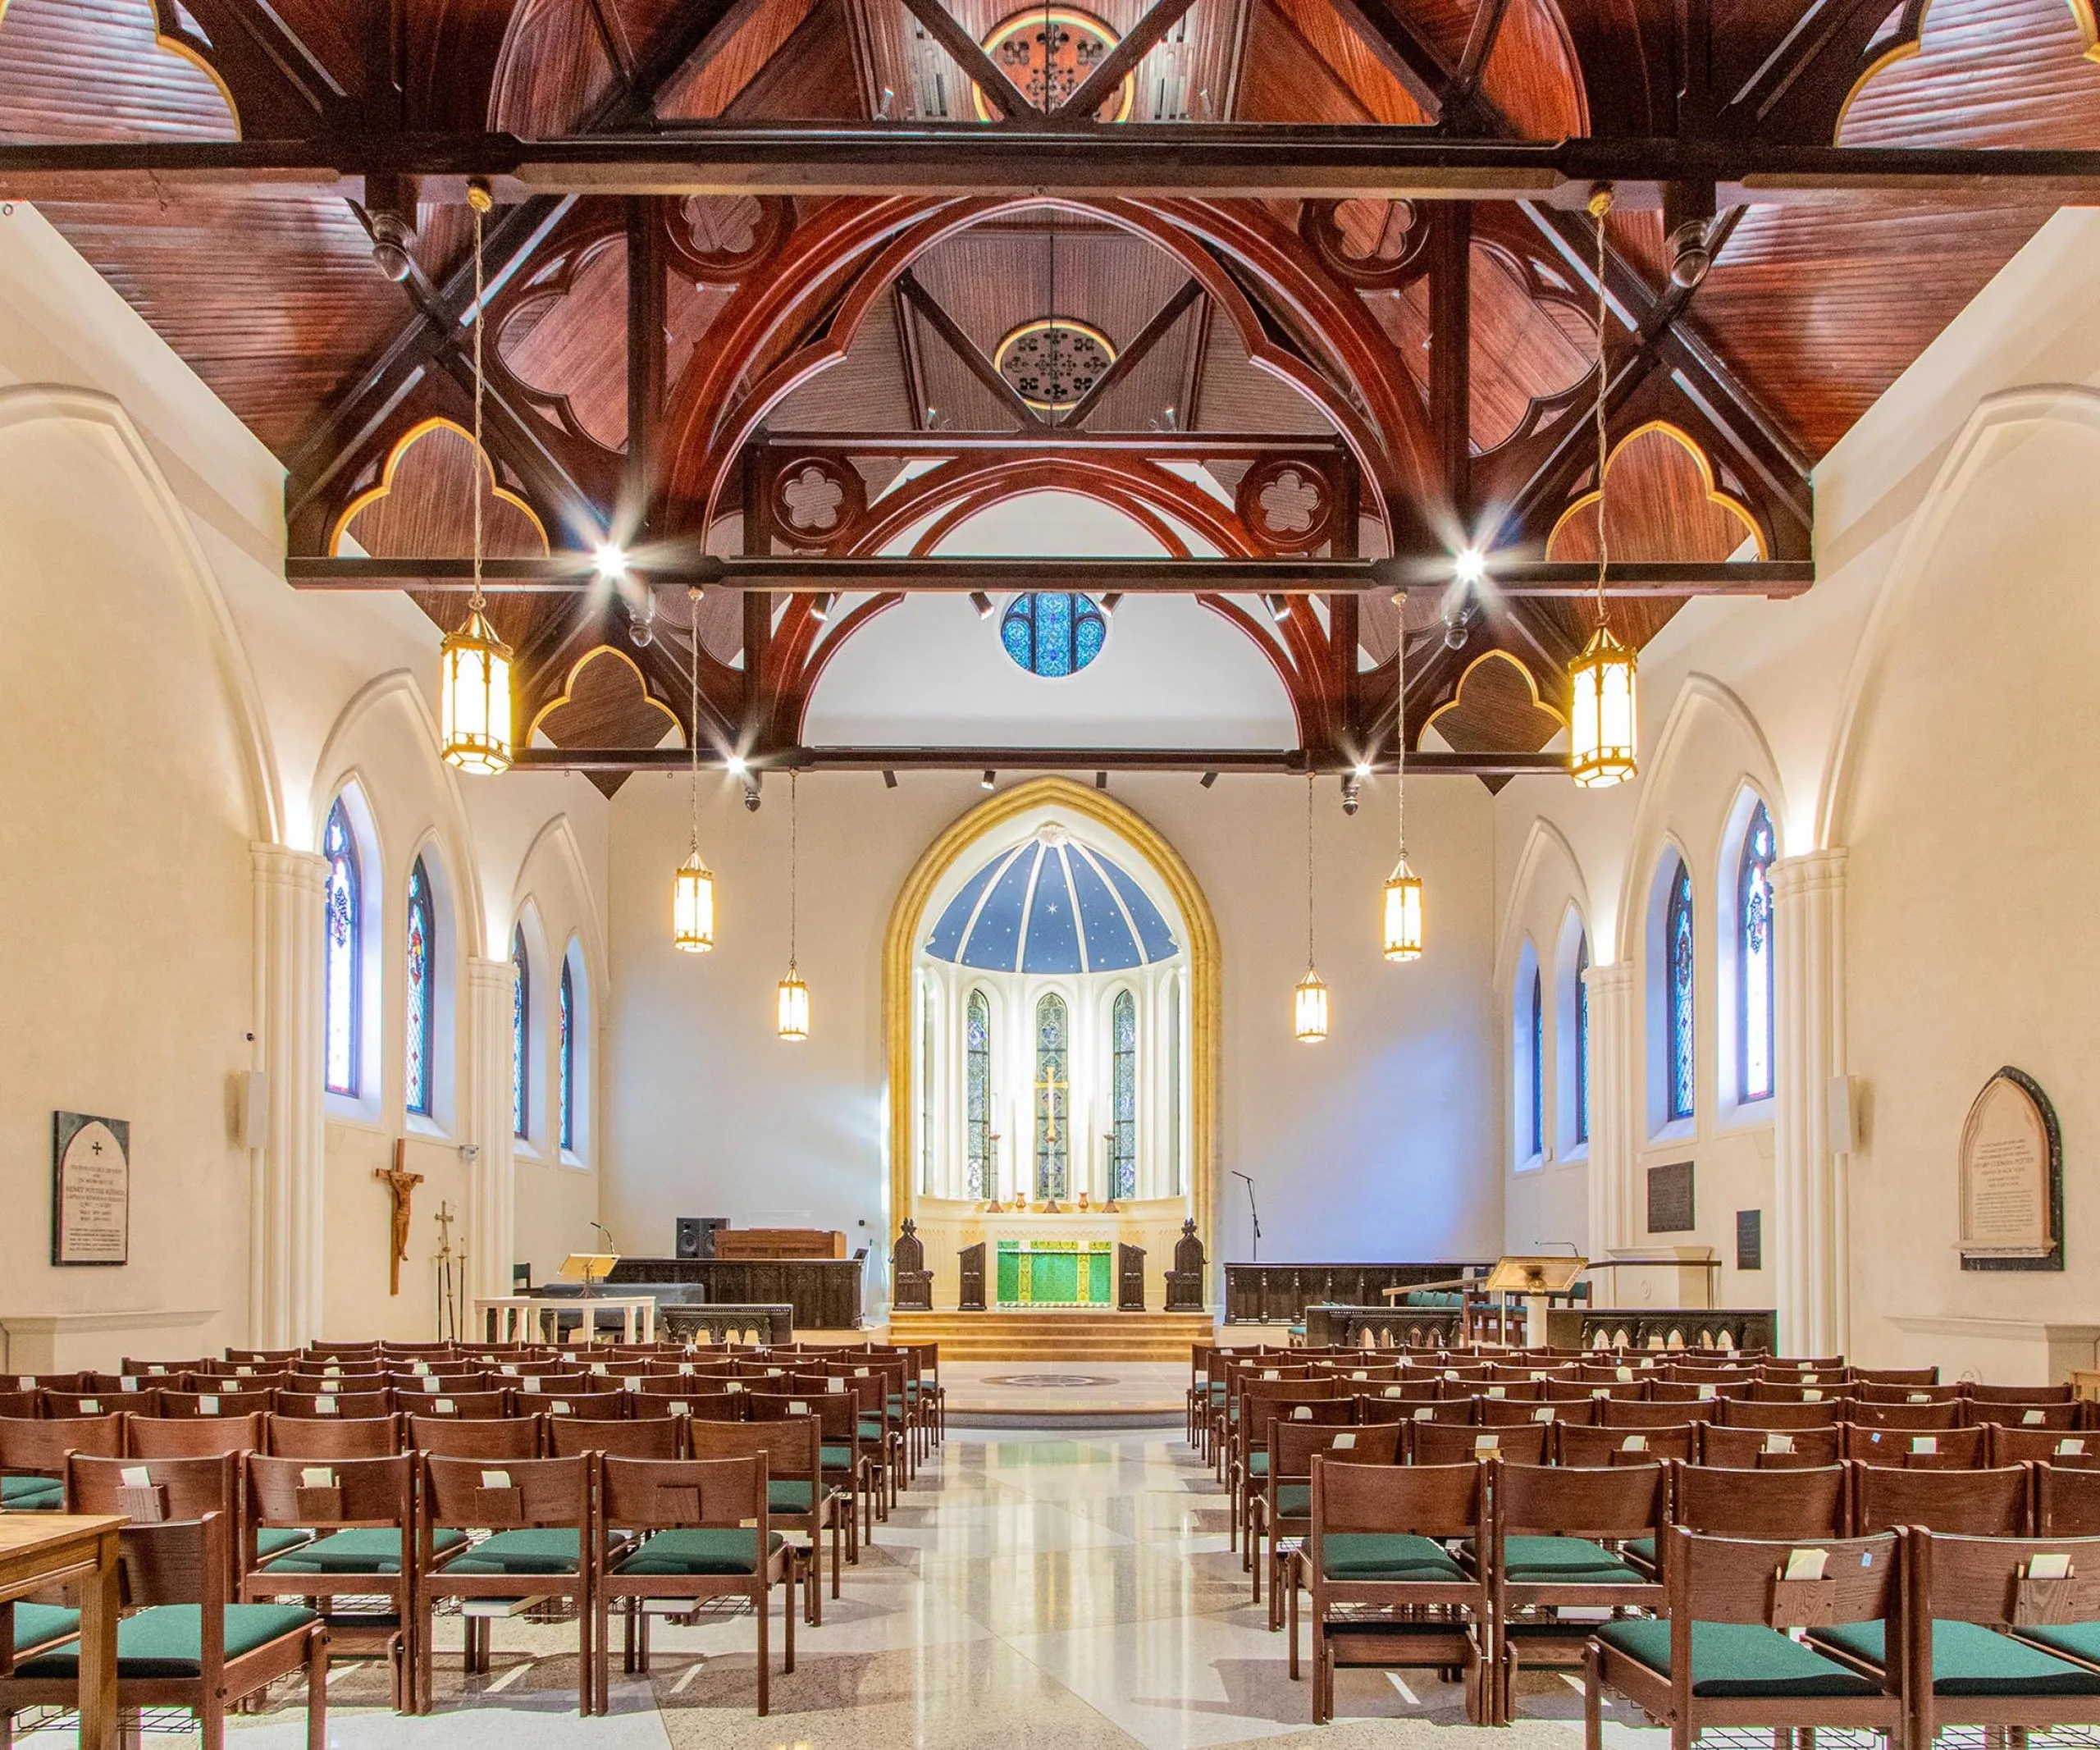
x=90, y=1189
x=2011, y=1178
x=1750, y=1239
x=1669, y=1199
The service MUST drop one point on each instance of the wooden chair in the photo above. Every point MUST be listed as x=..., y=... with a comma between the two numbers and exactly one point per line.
x=72, y=1406
x=32, y=1453
x=1502, y=1412
x=1904, y=1449
x=1950, y=1413
x=1722, y=1657
x=1282, y=1506
x=2058, y=1394
x=797, y=1497
x=1736, y=1412
x=326, y=1437
x=704, y=1402
x=152, y=1491
x=359, y=1520
x=2010, y=1445
x=1260, y=1408
x=1386, y=1591
x=2038, y=1415
x=2043, y=1671
x=843, y=1460
x=184, y=1644
x=1589, y=1448
x=1770, y=1449
x=661, y=1438
x=1613, y=1412
x=520, y=1437
x=704, y=1533
x=584, y=1406
x=1976, y=1503
x=1431, y=1443
x=351, y=1404
x=209, y=1403
x=1558, y=1534
x=541, y=1515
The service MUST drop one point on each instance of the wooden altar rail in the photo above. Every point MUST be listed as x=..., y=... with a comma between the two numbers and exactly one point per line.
x=1669, y=1328
x=824, y=1292
x=1280, y=1293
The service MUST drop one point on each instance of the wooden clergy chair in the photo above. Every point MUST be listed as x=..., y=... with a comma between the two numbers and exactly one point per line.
x=33, y=1456
x=1558, y=1534
x=184, y=1645
x=361, y=1514
x=704, y=1533
x=1282, y=1506
x=542, y=1524
x=1724, y=1658
x=1389, y=1589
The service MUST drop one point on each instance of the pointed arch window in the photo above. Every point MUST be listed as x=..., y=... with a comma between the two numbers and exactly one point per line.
x=977, y=1096
x=1681, y=1040
x=1123, y=1096
x=1537, y=1150
x=420, y=1032
x=567, y=1059
x=343, y=967
x=521, y=1031
x=1754, y=959
x=1054, y=1142
x=1582, y=1038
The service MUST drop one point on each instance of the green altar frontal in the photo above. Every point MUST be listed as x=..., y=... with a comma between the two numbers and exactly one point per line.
x=1054, y=1272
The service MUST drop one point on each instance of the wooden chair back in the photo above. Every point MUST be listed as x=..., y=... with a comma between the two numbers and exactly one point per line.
x=1616, y=1413
x=207, y=1404
x=350, y=1405
x=202, y=1436
x=2066, y=1501
x=1912, y=1378
x=702, y=1405
x=1769, y=1449
x=1291, y=1445
x=660, y=1438
x=650, y=1495
x=169, y=1489
x=1976, y=1503
x=1712, y=1579
x=581, y=1406
x=1918, y=1418
x=506, y=1494
x=2033, y=1415
x=1606, y=1505
x=2060, y=1451
x=1590, y=1447
x=516, y=1438
x=1909, y=1449
x=791, y=1445
x=1425, y=1500
x=1764, y=1412
x=335, y=1495
x=72, y=1406
x=1433, y=1444
x=37, y=1447
x=1763, y=1504
x=330, y=1438
x=1874, y=1392
x=2060, y=1394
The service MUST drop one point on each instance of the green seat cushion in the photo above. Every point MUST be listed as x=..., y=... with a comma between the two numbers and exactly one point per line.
x=2074, y=1640
x=40, y=1624
x=1216, y=1388
x=1565, y=1561
x=788, y=1497
x=1387, y=1556
x=274, y=1540
x=1738, y=1660
x=1258, y=1463
x=541, y=1550
x=1643, y=1548
x=724, y=1550
x=871, y=1428
x=168, y=1640
x=368, y=1548
x=1293, y=1501
x=836, y=1458
x=1969, y=1658
x=31, y=1494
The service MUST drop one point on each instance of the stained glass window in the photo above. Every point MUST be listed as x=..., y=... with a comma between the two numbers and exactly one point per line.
x=568, y=1058
x=1053, y=633
x=1123, y=1096
x=1754, y=984
x=421, y=1031
x=1538, y=1065
x=1583, y=1039
x=343, y=969
x=977, y=1112
x=520, y=1029
x=1053, y=1093
x=1679, y=966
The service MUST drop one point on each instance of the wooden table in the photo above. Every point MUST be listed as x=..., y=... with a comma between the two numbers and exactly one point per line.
x=505, y=1318
x=40, y=1552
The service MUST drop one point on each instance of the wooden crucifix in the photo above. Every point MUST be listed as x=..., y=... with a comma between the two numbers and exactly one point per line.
x=400, y=1186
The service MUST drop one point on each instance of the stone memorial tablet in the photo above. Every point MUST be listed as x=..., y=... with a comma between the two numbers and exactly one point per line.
x=2011, y=1178
x=90, y=1189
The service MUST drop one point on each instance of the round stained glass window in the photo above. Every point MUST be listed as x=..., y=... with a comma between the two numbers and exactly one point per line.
x=1053, y=633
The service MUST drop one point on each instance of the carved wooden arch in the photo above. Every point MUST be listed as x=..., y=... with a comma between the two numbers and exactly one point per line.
x=1391, y=441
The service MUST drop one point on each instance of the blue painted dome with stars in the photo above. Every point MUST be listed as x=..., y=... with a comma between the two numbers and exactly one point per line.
x=1052, y=905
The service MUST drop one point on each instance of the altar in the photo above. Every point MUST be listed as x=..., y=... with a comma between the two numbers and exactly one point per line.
x=1056, y=1272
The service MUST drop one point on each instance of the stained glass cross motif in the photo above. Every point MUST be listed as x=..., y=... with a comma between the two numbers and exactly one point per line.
x=1052, y=1144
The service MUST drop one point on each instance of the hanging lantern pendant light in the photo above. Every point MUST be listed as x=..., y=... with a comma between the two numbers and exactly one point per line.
x=474, y=663
x=1403, y=908
x=1604, y=716
x=692, y=889
x=1308, y=1011
x=792, y=1005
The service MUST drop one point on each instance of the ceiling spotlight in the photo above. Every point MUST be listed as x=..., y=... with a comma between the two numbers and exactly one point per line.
x=820, y=605
x=981, y=602
x=1279, y=607
x=1108, y=602
x=751, y=797
x=1454, y=631
x=391, y=238
x=1363, y=769
x=610, y=560
x=988, y=780
x=735, y=765
x=1101, y=780
x=889, y=780
x=641, y=621
x=1470, y=567
x=1209, y=779
x=1351, y=794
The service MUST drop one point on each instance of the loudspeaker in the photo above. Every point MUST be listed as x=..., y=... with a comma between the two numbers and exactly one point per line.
x=254, y=1108
x=1846, y=1099
x=695, y=1235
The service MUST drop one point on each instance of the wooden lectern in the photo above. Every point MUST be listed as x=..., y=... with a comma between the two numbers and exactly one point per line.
x=587, y=1268
x=1538, y=1281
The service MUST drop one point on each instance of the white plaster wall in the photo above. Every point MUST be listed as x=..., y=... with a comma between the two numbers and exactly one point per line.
x=1378, y=1143
x=131, y=983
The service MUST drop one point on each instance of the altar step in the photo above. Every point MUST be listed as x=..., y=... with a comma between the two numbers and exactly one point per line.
x=1059, y=1336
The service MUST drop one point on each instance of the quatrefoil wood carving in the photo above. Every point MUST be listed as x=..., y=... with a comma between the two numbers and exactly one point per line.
x=1288, y=503
x=816, y=499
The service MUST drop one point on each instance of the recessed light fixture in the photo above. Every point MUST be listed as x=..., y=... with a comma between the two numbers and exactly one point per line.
x=988, y=780
x=981, y=602
x=610, y=560
x=1109, y=601
x=1279, y=607
x=1209, y=779
x=1470, y=567
x=820, y=605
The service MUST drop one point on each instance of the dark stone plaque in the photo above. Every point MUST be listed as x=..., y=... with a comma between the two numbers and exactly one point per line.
x=1669, y=1199
x=1750, y=1239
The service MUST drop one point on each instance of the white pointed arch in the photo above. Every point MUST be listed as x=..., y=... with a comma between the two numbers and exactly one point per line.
x=1545, y=856
x=556, y=858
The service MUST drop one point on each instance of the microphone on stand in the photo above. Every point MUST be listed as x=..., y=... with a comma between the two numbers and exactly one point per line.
x=612, y=1250
x=1253, y=1213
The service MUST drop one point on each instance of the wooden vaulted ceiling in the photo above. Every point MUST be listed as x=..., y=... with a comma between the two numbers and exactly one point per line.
x=1314, y=327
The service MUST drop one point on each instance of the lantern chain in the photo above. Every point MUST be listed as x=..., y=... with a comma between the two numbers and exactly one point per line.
x=1599, y=205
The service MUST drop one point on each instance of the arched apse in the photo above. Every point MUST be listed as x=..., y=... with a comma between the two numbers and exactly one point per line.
x=1141, y=846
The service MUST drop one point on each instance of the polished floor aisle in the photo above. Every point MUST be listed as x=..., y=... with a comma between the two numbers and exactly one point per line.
x=1033, y=1592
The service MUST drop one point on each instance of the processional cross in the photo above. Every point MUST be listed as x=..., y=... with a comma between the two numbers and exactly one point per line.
x=1050, y=1087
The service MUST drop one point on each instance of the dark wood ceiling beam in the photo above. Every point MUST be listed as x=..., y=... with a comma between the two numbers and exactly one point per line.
x=1121, y=60
x=1219, y=161
x=1127, y=361
x=569, y=572
x=928, y=309
x=278, y=83
x=977, y=67
x=1462, y=94
x=1450, y=354
x=691, y=37
x=1409, y=57
x=1224, y=760
x=648, y=369
x=1057, y=441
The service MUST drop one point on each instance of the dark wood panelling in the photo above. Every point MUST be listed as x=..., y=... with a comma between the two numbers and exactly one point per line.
x=1530, y=75
x=1496, y=707
x=605, y=703
x=1990, y=73
x=78, y=70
